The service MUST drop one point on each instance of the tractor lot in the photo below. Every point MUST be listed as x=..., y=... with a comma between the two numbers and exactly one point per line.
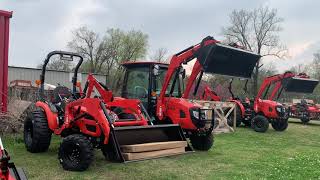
x=293, y=154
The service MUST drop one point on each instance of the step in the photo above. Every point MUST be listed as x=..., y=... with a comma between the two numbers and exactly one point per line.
x=153, y=146
x=153, y=154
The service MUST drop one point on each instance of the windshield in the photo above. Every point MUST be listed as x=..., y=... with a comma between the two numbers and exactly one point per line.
x=159, y=80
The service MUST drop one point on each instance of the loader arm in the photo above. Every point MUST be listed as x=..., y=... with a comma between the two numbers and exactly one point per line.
x=268, y=81
x=175, y=63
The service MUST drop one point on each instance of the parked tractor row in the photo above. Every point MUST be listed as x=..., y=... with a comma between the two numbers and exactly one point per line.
x=151, y=119
x=154, y=116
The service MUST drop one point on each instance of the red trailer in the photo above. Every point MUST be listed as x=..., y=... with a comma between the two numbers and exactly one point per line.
x=4, y=47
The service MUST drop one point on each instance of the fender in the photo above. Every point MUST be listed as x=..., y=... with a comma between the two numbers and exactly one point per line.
x=240, y=105
x=51, y=116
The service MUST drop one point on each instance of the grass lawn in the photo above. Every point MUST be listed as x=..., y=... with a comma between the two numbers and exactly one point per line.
x=245, y=154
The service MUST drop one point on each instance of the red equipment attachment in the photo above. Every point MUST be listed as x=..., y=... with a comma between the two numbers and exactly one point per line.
x=94, y=118
x=8, y=170
x=4, y=53
x=161, y=86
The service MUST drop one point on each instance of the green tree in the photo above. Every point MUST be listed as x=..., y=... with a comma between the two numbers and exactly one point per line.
x=104, y=55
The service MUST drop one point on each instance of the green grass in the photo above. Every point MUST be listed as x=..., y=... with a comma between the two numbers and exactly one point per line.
x=245, y=154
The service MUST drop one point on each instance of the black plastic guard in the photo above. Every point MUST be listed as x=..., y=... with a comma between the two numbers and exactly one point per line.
x=226, y=60
x=300, y=85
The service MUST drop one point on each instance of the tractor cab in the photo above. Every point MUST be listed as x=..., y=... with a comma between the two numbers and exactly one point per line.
x=144, y=80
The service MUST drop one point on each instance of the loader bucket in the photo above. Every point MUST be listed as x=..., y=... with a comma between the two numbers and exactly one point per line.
x=226, y=60
x=300, y=85
x=136, y=143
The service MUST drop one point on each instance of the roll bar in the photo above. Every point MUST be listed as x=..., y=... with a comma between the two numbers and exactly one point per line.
x=62, y=54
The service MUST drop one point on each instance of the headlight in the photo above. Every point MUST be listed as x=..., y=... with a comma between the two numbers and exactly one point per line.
x=195, y=114
x=280, y=109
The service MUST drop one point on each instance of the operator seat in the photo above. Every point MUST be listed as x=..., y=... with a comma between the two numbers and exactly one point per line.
x=60, y=93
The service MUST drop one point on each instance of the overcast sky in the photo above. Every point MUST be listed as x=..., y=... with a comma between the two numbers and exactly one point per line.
x=40, y=26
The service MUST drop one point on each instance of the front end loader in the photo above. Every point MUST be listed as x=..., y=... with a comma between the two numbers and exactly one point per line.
x=160, y=86
x=8, y=170
x=94, y=118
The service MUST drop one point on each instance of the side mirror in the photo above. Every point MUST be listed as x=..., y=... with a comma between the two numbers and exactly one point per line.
x=156, y=69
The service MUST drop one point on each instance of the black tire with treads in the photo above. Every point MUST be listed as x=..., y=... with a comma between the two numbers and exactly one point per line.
x=75, y=153
x=280, y=124
x=202, y=142
x=260, y=123
x=37, y=135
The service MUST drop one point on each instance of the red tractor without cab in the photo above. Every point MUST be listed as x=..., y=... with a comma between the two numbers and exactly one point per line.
x=264, y=109
x=90, y=119
x=305, y=110
x=160, y=86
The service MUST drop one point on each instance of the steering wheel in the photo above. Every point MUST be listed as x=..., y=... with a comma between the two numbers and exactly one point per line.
x=140, y=91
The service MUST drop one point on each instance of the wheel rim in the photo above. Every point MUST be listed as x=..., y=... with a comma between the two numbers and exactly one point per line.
x=259, y=124
x=72, y=153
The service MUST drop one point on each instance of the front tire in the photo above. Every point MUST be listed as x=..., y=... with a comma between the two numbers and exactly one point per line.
x=305, y=118
x=260, y=123
x=75, y=153
x=202, y=142
x=279, y=125
x=36, y=133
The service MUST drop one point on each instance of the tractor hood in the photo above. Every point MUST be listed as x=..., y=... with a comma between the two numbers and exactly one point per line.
x=300, y=85
x=226, y=60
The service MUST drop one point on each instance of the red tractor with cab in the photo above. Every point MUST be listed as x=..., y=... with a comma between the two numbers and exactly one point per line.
x=94, y=118
x=160, y=86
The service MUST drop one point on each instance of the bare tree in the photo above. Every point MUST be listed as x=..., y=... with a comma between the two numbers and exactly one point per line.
x=160, y=55
x=87, y=43
x=258, y=31
x=57, y=64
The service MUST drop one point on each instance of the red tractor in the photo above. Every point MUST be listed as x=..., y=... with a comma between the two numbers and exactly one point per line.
x=264, y=109
x=305, y=110
x=8, y=170
x=160, y=86
x=89, y=119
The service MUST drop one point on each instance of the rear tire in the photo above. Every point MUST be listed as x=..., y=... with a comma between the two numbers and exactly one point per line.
x=238, y=118
x=75, y=153
x=260, y=123
x=202, y=143
x=279, y=125
x=37, y=135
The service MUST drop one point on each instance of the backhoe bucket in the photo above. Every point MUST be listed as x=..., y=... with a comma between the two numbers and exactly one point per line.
x=300, y=85
x=226, y=60
x=136, y=143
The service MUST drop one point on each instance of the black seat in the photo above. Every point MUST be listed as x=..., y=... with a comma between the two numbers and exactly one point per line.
x=60, y=93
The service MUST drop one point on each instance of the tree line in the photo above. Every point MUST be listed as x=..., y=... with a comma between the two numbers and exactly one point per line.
x=256, y=30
